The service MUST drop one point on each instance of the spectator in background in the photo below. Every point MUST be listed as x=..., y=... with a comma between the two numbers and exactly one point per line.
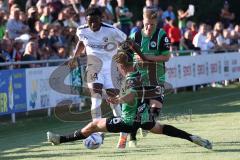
x=237, y=29
x=200, y=38
x=61, y=18
x=55, y=36
x=93, y=3
x=228, y=40
x=137, y=27
x=30, y=54
x=182, y=19
x=24, y=19
x=153, y=5
x=55, y=6
x=80, y=10
x=71, y=39
x=30, y=3
x=149, y=5
x=167, y=26
x=43, y=40
x=10, y=4
x=107, y=14
x=38, y=27
x=46, y=16
x=32, y=18
x=218, y=34
x=211, y=42
x=226, y=16
x=40, y=5
x=124, y=17
x=7, y=49
x=3, y=6
x=67, y=14
x=2, y=25
x=235, y=39
x=17, y=50
x=174, y=35
x=186, y=43
x=15, y=27
x=193, y=29
x=168, y=13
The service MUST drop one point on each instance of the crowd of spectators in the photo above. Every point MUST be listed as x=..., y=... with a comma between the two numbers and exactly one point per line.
x=46, y=29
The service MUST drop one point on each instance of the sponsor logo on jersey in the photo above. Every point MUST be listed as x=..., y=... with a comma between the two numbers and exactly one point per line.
x=110, y=46
x=105, y=39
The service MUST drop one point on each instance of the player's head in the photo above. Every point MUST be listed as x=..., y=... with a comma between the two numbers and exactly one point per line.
x=149, y=21
x=94, y=18
x=124, y=61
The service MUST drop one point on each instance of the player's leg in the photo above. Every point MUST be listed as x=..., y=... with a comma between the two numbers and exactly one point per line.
x=178, y=133
x=96, y=99
x=116, y=108
x=133, y=139
x=97, y=125
x=111, y=82
x=114, y=125
x=156, y=107
x=95, y=79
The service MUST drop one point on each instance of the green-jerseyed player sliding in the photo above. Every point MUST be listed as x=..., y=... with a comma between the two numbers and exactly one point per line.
x=135, y=111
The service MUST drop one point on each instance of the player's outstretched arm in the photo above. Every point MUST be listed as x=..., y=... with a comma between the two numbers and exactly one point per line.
x=128, y=98
x=78, y=52
x=160, y=58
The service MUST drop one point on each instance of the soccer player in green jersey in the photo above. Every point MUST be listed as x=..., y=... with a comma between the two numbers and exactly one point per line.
x=154, y=45
x=135, y=111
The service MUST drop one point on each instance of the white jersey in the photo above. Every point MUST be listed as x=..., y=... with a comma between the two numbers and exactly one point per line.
x=102, y=43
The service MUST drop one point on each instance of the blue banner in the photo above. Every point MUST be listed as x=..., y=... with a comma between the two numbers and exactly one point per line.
x=19, y=90
x=4, y=95
x=12, y=91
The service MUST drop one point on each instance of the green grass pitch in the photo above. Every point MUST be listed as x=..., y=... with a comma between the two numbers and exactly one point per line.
x=211, y=113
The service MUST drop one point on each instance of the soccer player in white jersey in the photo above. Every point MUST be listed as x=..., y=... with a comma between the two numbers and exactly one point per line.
x=100, y=41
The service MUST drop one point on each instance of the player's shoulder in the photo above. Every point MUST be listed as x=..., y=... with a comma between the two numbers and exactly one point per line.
x=84, y=26
x=161, y=31
x=106, y=25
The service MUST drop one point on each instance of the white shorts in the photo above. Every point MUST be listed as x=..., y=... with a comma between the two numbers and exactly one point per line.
x=104, y=73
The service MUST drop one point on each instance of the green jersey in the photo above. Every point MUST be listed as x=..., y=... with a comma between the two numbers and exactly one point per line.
x=157, y=44
x=139, y=110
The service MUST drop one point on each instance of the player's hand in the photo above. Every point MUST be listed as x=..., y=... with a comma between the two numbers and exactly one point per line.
x=72, y=63
x=113, y=100
x=138, y=58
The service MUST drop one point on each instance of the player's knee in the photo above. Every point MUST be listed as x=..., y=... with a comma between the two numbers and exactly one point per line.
x=94, y=124
x=155, y=104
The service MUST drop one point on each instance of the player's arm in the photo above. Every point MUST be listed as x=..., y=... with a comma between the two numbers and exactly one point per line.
x=79, y=49
x=78, y=52
x=160, y=58
x=130, y=44
x=127, y=98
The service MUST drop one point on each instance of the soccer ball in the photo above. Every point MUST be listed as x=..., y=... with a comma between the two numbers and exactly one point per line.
x=93, y=141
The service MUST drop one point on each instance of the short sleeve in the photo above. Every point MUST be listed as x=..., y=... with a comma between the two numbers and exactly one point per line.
x=80, y=34
x=119, y=35
x=164, y=45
